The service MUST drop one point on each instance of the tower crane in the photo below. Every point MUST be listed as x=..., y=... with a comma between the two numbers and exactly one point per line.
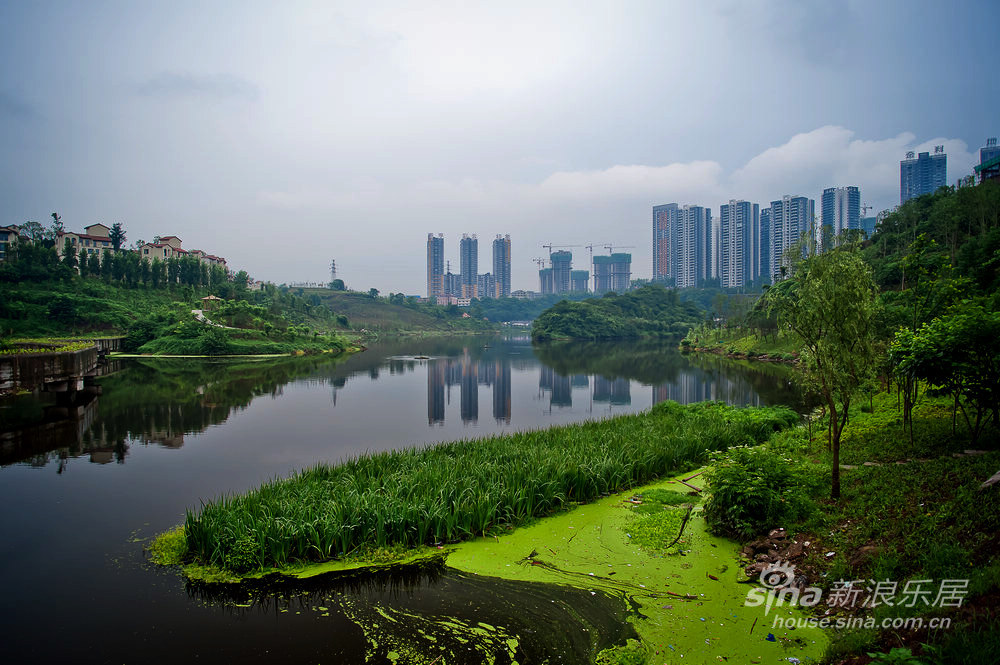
x=611, y=248
x=550, y=246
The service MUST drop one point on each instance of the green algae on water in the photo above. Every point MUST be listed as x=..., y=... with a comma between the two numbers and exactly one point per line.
x=687, y=607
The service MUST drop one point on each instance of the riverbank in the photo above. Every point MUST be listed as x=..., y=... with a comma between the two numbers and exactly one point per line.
x=910, y=510
x=743, y=344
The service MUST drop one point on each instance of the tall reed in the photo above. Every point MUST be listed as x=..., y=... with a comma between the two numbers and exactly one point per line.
x=453, y=491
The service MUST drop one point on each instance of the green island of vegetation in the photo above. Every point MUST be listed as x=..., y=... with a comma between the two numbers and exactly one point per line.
x=454, y=491
x=649, y=311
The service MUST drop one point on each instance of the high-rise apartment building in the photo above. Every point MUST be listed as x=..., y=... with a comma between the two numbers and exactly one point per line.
x=764, y=254
x=562, y=265
x=435, y=265
x=468, y=248
x=989, y=151
x=739, y=242
x=579, y=281
x=840, y=209
x=692, y=252
x=603, y=269
x=664, y=224
x=791, y=216
x=922, y=174
x=989, y=161
x=545, y=281
x=682, y=244
x=621, y=272
x=486, y=286
x=501, y=267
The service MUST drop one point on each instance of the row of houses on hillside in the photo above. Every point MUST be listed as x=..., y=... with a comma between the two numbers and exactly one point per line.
x=97, y=237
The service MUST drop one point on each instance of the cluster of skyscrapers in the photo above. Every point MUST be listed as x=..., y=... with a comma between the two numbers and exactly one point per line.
x=443, y=285
x=744, y=244
x=611, y=273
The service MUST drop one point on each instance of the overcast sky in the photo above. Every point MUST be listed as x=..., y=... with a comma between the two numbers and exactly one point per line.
x=285, y=134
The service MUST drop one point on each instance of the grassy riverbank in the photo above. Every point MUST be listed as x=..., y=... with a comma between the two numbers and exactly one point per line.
x=454, y=491
x=743, y=343
x=911, y=509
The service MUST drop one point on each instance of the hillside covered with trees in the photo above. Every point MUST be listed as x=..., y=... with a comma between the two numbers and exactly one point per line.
x=151, y=303
x=892, y=477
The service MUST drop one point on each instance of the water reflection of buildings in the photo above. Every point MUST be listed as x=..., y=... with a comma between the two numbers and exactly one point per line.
x=468, y=374
x=616, y=392
x=557, y=386
x=699, y=386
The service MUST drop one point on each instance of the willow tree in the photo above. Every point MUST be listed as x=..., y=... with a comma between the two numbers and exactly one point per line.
x=831, y=302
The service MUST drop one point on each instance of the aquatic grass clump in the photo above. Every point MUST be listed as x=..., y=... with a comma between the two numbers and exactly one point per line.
x=169, y=548
x=454, y=491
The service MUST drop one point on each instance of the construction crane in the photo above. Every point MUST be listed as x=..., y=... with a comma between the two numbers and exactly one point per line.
x=540, y=262
x=611, y=248
x=550, y=246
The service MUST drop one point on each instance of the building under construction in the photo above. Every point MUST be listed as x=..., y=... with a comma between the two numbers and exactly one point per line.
x=612, y=273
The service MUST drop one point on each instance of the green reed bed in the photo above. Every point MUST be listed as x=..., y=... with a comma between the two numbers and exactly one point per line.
x=453, y=491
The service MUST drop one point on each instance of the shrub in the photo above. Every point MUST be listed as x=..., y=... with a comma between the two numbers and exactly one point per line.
x=214, y=342
x=754, y=489
x=139, y=333
x=242, y=557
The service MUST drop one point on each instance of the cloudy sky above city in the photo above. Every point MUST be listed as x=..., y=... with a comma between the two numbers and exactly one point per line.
x=283, y=135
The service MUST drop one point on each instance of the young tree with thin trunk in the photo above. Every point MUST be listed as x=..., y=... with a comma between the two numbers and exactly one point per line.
x=831, y=303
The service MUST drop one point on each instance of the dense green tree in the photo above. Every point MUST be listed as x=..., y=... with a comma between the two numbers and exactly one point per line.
x=156, y=272
x=217, y=275
x=831, y=302
x=117, y=235
x=33, y=231
x=69, y=254
x=958, y=353
x=94, y=264
x=118, y=266
x=173, y=271
x=338, y=285
x=107, y=265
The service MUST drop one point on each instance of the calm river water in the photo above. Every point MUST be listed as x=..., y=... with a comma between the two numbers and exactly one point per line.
x=81, y=494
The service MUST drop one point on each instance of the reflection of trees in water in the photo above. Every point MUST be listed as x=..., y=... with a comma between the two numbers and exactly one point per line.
x=159, y=402
x=773, y=383
x=647, y=361
x=684, y=378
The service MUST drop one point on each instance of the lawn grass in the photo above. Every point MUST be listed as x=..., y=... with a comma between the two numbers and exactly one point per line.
x=454, y=491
